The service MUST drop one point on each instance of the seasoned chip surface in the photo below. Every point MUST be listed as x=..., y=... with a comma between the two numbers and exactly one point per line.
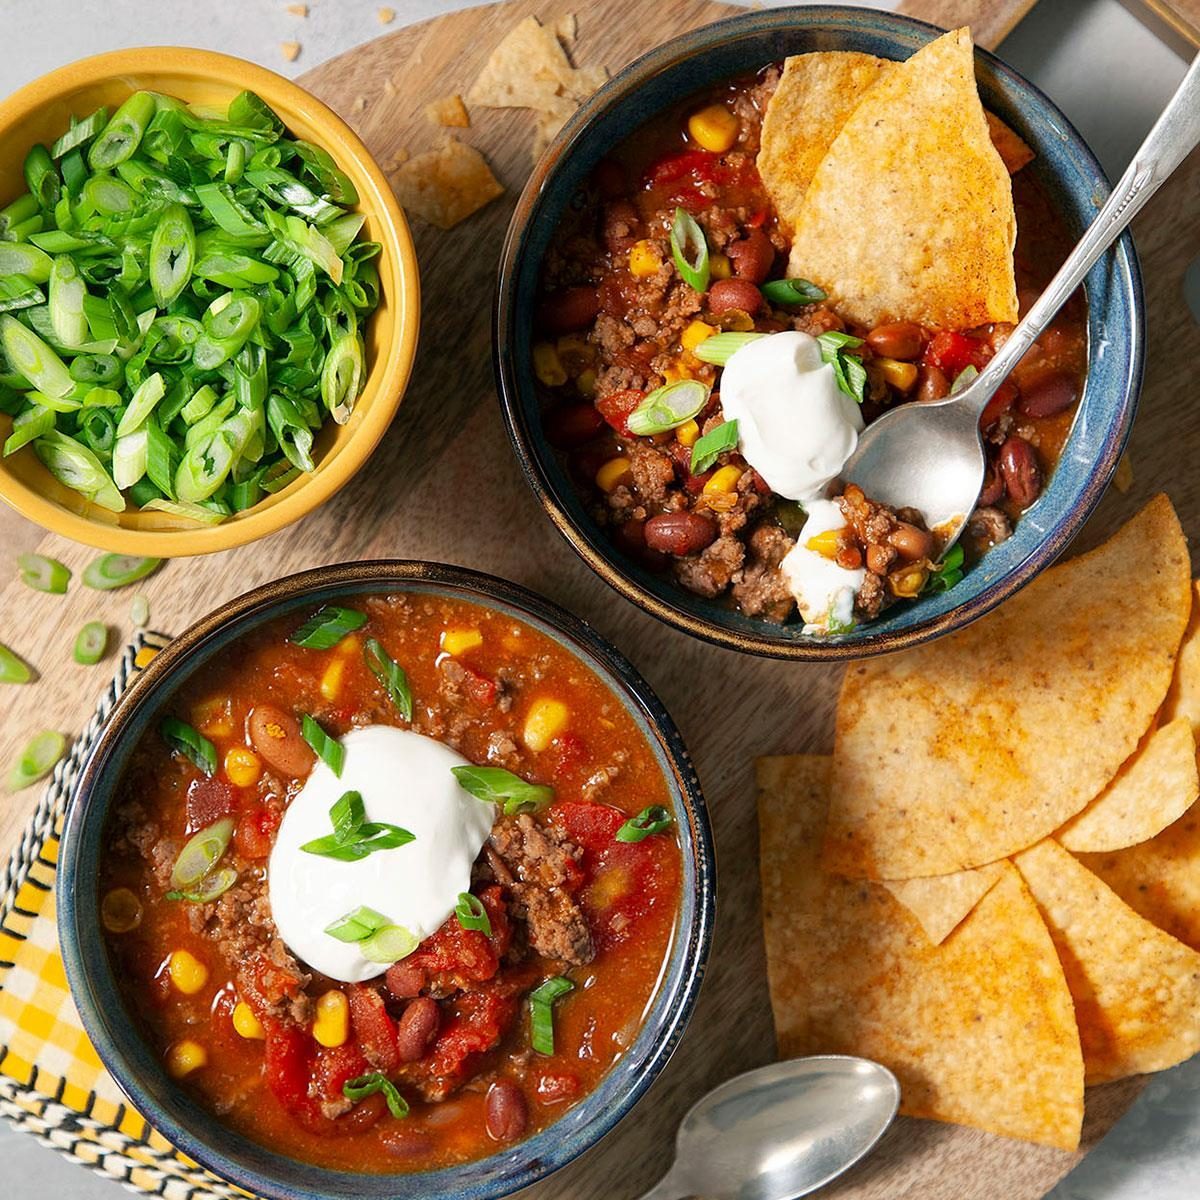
x=446, y=186
x=942, y=902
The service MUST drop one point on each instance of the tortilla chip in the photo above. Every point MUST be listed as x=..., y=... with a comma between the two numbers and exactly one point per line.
x=1183, y=698
x=979, y=1030
x=1152, y=790
x=449, y=111
x=1014, y=151
x=1019, y=720
x=1136, y=989
x=446, y=186
x=530, y=69
x=942, y=902
x=910, y=213
x=1159, y=879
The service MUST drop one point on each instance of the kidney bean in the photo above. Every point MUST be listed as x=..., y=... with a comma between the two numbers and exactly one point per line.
x=1048, y=392
x=679, y=533
x=568, y=310
x=1001, y=401
x=416, y=1028
x=405, y=1143
x=728, y=294
x=901, y=339
x=752, y=256
x=276, y=736
x=1021, y=471
x=405, y=980
x=913, y=543
x=361, y=1117
x=932, y=384
x=571, y=425
x=993, y=487
x=507, y=1111
x=630, y=537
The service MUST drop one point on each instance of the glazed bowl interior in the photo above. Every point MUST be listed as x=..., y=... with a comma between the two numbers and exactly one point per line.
x=132, y=1061
x=1066, y=170
x=40, y=112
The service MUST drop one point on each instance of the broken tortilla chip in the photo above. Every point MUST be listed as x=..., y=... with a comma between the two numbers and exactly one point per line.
x=1136, y=989
x=1019, y=719
x=910, y=213
x=978, y=1030
x=530, y=69
x=1151, y=791
x=446, y=186
x=942, y=902
x=449, y=111
x=1014, y=151
x=1183, y=696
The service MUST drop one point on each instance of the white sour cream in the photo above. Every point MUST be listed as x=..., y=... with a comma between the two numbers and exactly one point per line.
x=405, y=780
x=795, y=427
x=824, y=591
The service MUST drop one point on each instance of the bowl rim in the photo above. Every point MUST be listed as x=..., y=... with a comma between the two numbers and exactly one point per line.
x=394, y=363
x=680, y=980
x=586, y=538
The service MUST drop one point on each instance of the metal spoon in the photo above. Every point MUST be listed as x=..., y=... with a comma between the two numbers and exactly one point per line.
x=930, y=456
x=781, y=1131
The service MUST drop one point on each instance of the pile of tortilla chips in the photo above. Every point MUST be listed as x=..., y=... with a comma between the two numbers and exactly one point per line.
x=993, y=885
x=895, y=185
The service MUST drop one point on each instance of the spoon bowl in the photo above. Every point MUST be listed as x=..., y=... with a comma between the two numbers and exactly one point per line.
x=781, y=1131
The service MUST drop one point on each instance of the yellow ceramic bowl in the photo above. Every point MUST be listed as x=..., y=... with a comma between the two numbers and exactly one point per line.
x=41, y=111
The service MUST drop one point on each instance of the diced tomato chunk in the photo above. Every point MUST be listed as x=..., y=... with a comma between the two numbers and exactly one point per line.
x=953, y=352
x=616, y=408
x=270, y=982
x=287, y=1063
x=569, y=752
x=335, y=1066
x=458, y=957
x=480, y=688
x=255, y=832
x=480, y=1019
x=208, y=800
x=374, y=1029
x=699, y=165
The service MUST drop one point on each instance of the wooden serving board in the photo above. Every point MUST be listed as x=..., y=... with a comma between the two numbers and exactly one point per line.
x=444, y=484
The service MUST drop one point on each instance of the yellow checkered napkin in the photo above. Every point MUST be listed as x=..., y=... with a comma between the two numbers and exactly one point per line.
x=52, y=1084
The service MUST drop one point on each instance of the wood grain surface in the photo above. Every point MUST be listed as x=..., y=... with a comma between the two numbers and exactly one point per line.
x=444, y=484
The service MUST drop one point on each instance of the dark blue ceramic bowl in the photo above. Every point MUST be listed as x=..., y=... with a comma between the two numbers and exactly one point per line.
x=138, y=1069
x=1064, y=165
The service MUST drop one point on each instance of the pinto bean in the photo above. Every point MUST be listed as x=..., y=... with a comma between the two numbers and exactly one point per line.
x=1021, y=471
x=679, y=533
x=1048, y=392
x=276, y=736
x=417, y=1027
x=568, y=310
x=728, y=294
x=879, y=558
x=507, y=1111
x=912, y=543
x=752, y=256
x=900, y=339
x=932, y=384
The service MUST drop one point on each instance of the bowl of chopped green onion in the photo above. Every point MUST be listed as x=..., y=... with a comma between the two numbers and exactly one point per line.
x=208, y=302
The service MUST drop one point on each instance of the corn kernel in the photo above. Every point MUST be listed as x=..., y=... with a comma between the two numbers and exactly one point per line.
x=185, y=1057
x=120, y=911
x=212, y=717
x=459, y=641
x=677, y=370
x=900, y=375
x=545, y=720
x=331, y=1027
x=826, y=543
x=715, y=128
x=187, y=972
x=612, y=473
x=350, y=646
x=242, y=766
x=644, y=259
x=547, y=366
x=331, y=680
x=719, y=266
x=586, y=383
x=246, y=1023
x=694, y=334
x=907, y=584
x=723, y=479
x=688, y=433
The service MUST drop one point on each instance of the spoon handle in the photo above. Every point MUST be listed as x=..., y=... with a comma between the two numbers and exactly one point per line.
x=1175, y=134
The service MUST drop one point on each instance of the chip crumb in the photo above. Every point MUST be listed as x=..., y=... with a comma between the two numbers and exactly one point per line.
x=290, y=50
x=445, y=186
x=1123, y=479
x=359, y=106
x=567, y=28
x=449, y=111
x=389, y=87
x=385, y=16
x=398, y=159
x=297, y=10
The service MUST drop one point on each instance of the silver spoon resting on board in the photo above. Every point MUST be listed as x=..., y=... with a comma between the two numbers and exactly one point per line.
x=929, y=456
x=782, y=1131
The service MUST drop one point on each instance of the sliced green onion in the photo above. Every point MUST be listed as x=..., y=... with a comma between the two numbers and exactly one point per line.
x=948, y=572
x=20, y=258
x=541, y=1012
x=75, y=466
x=357, y=924
x=342, y=377
x=123, y=133
x=201, y=852
x=848, y=370
x=689, y=248
x=363, y=1086
x=668, y=407
x=33, y=359
x=38, y=758
x=18, y=292
x=721, y=347
x=327, y=626
x=391, y=674
x=19, y=211
x=172, y=254
x=129, y=458
x=291, y=431
x=185, y=740
x=80, y=133
x=214, y=884
x=90, y=643
x=388, y=945
x=187, y=513
x=495, y=785
x=347, y=815
x=41, y=177
x=43, y=574
x=471, y=914
x=149, y=393
x=12, y=668
x=99, y=370
x=654, y=819
x=789, y=292
x=964, y=379
x=354, y=837
x=67, y=292
x=28, y=426
x=118, y=570
x=329, y=750
x=712, y=445
x=139, y=611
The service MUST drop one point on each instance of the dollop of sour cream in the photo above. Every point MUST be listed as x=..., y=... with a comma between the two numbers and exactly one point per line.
x=404, y=779
x=824, y=591
x=796, y=428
